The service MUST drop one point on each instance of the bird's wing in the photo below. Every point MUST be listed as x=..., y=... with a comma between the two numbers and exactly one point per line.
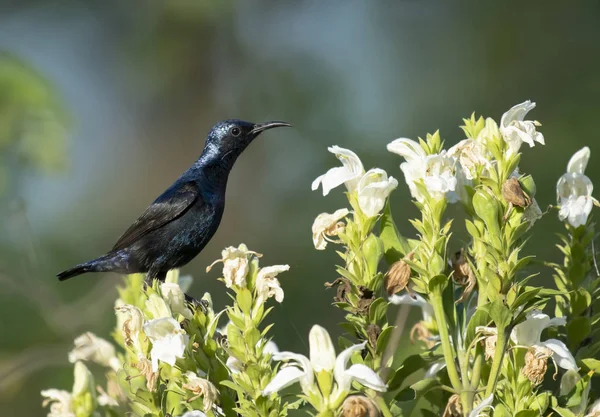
x=166, y=208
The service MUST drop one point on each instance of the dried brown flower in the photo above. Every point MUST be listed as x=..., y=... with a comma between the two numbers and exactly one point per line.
x=359, y=406
x=490, y=346
x=463, y=275
x=373, y=332
x=397, y=277
x=454, y=407
x=514, y=194
x=536, y=364
x=145, y=367
x=421, y=333
x=343, y=288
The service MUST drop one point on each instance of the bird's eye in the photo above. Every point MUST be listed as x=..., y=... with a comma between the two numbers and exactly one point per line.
x=235, y=131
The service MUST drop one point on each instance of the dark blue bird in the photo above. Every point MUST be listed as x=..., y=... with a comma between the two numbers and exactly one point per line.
x=179, y=224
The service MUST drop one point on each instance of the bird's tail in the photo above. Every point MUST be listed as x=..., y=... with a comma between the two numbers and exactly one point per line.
x=73, y=272
x=103, y=264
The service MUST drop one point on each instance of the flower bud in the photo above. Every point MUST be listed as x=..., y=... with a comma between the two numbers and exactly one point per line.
x=83, y=380
x=487, y=208
x=528, y=185
x=157, y=307
x=373, y=251
x=359, y=406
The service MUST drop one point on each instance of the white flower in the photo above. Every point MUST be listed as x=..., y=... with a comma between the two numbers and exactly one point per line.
x=235, y=265
x=60, y=403
x=267, y=285
x=574, y=190
x=515, y=130
x=483, y=405
x=168, y=340
x=201, y=387
x=473, y=157
x=326, y=225
x=414, y=300
x=194, y=413
x=175, y=298
x=89, y=347
x=322, y=359
x=529, y=333
x=349, y=173
x=437, y=172
x=373, y=190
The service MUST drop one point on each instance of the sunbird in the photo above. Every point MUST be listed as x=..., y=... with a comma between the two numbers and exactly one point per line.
x=183, y=219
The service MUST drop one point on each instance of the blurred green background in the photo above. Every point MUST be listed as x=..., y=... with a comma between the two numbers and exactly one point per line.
x=104, y=103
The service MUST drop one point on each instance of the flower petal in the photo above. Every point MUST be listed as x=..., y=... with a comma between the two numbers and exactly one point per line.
x=366, y=376
x=434, y=369
x=579, y=161
x=194, y=413
x=561, y=355
x=322, y=352
x=517, y=113
x=413, y=300
x=284, y=378
x=407, y=148
x=483, y=405
x=339, y=372
x=348, y=174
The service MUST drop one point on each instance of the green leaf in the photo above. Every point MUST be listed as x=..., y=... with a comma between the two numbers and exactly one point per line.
x=383, y=339
x=592, y=365
x=437, y=284
x=377, y=310
x=527, y=413
x=564, y=412
x=244, y=300
x=479, y=318
x=499, y=313
x=395, y=246
x=525, y=297
x=410, y=365
x=577, y=330
x=581, y=300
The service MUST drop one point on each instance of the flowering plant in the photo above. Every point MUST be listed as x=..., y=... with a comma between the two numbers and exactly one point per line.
x=487, y=344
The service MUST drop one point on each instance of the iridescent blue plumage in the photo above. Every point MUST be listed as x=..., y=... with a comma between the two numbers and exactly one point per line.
x=181, y=221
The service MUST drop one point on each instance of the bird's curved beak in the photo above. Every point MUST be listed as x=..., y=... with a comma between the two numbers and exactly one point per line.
x=261, y=127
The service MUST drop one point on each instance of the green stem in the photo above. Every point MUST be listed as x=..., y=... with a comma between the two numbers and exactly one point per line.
x=467, y=395
x=383, y=407
x=440, y=317
x=497, y=362
x=476, y=375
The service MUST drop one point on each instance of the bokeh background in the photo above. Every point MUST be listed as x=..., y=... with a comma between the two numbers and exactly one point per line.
x=104, y=103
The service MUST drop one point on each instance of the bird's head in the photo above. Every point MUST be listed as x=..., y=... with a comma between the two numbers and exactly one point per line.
x=228, y=138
